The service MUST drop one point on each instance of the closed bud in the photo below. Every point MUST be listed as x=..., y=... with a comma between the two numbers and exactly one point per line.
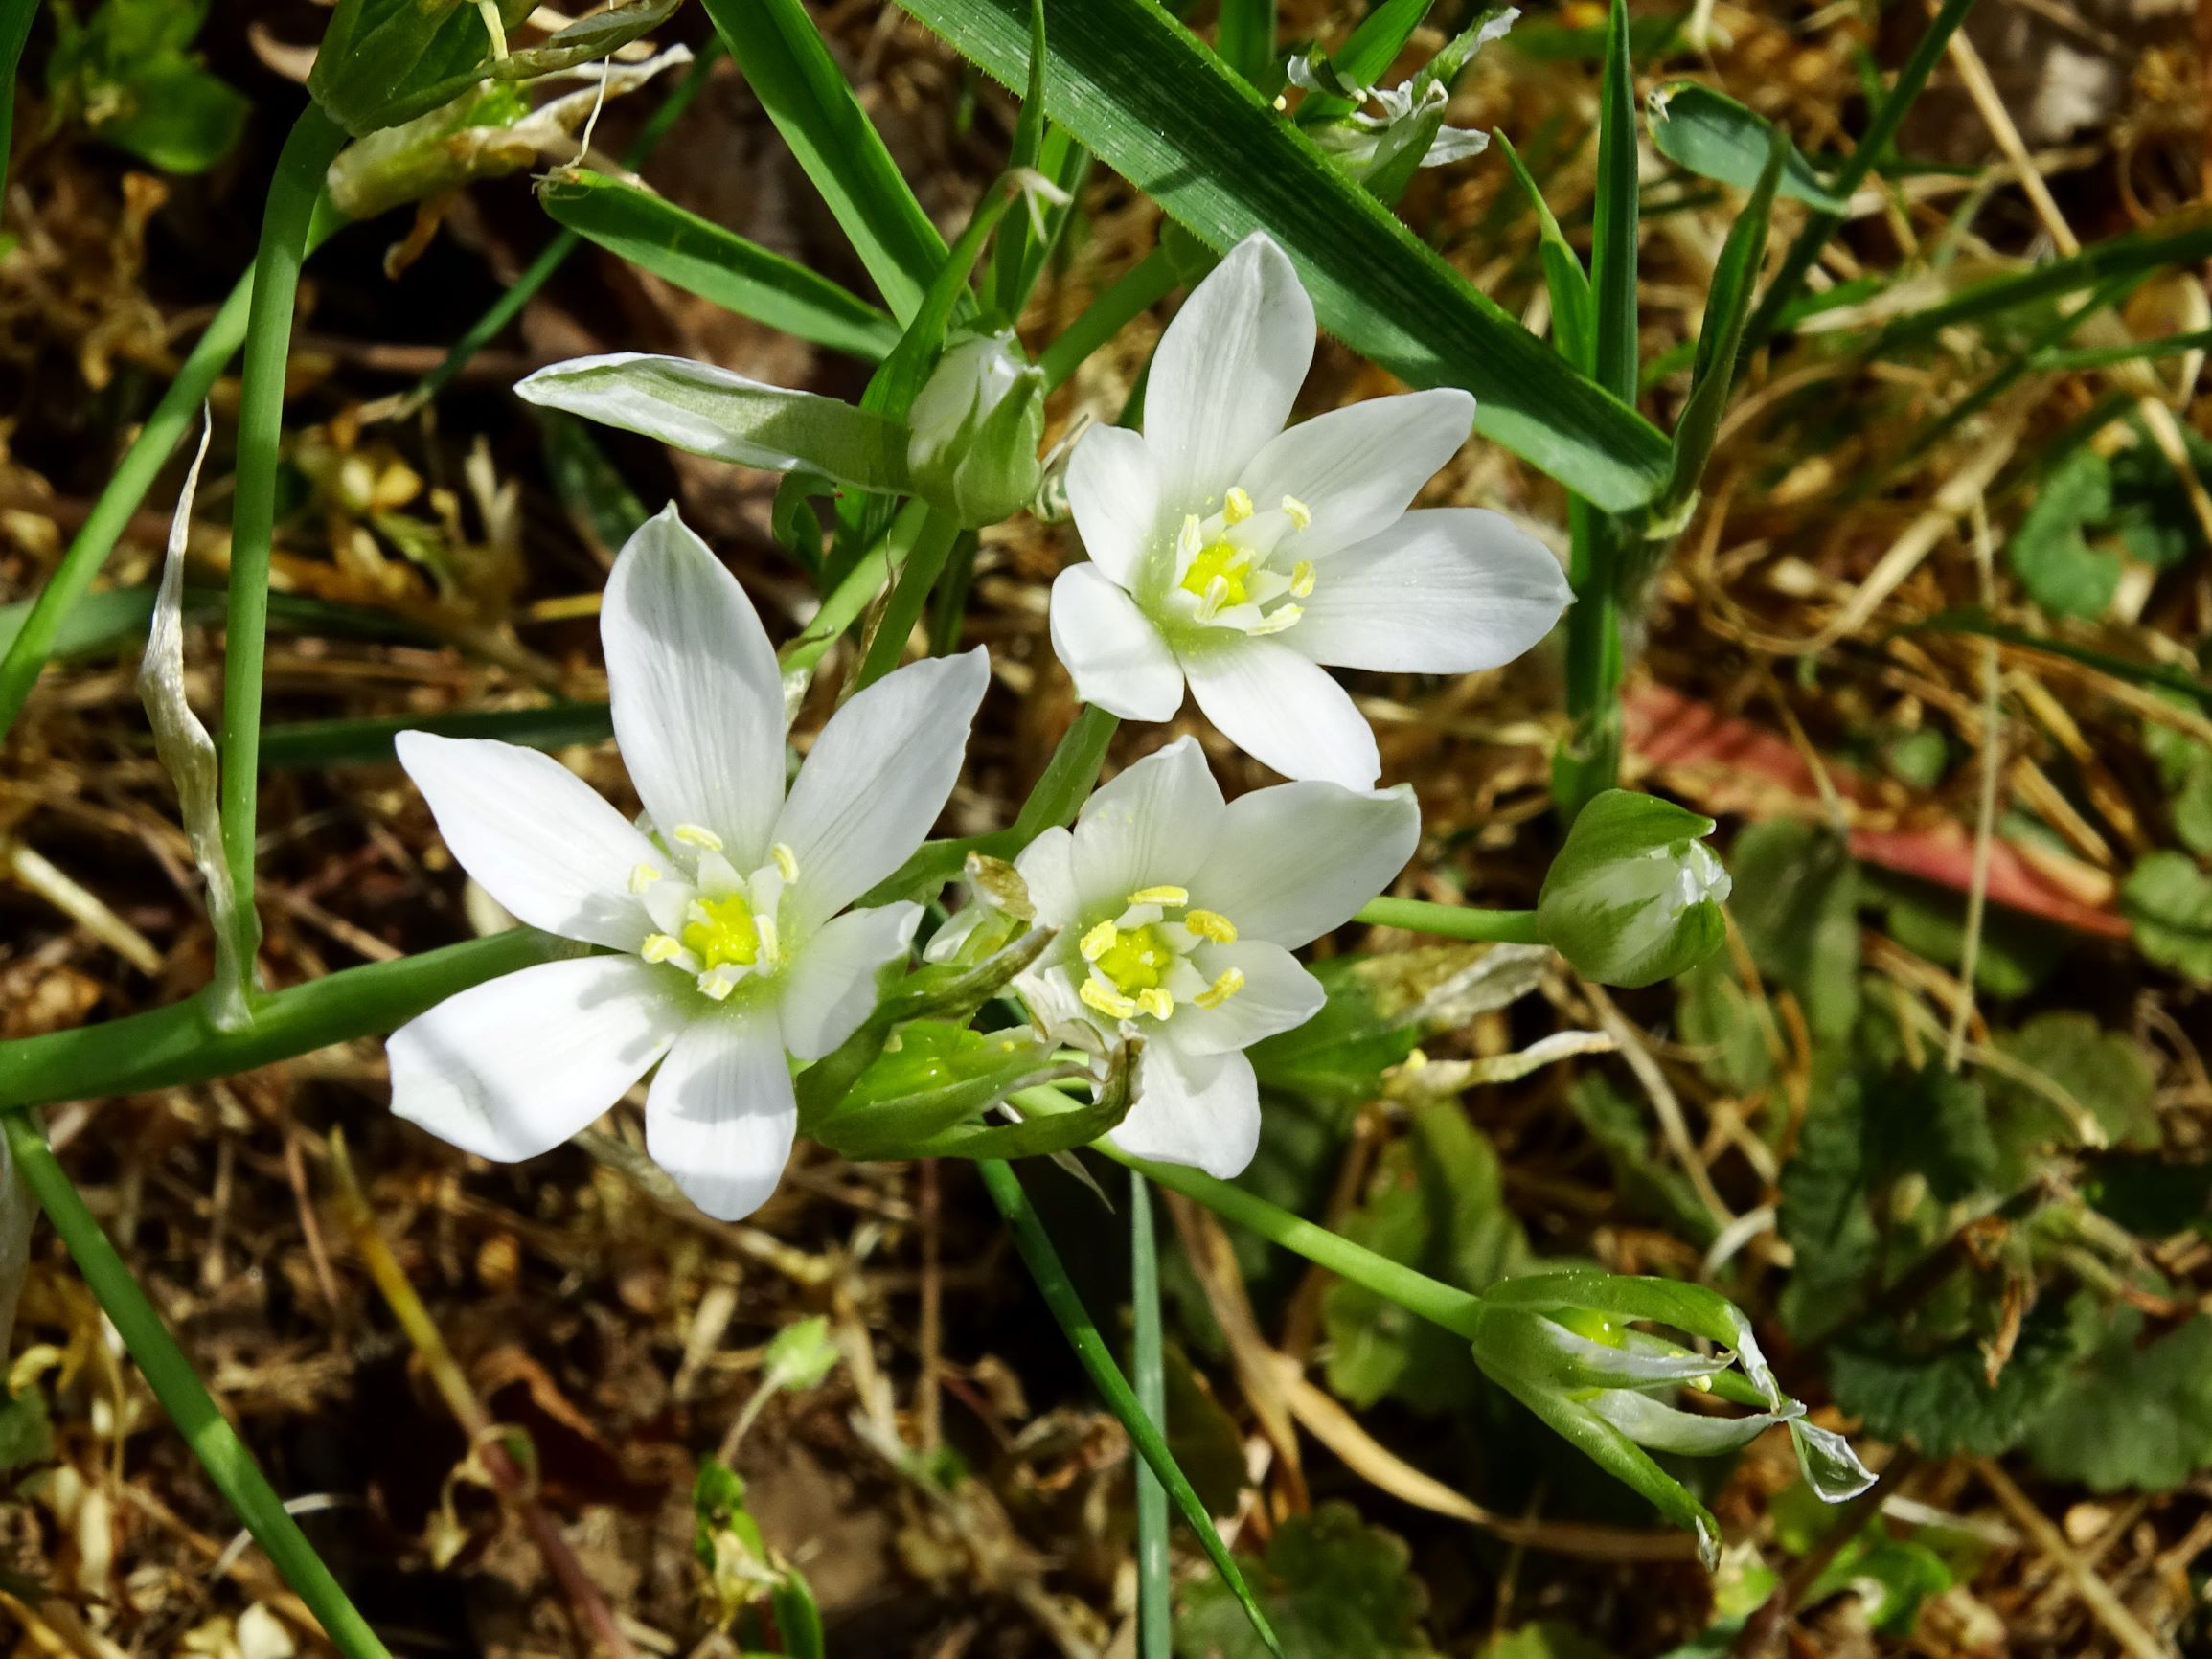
x=976, y=425
x=1635, y=896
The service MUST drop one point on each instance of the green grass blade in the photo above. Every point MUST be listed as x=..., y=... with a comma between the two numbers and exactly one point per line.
x=1614, y=227
x=1870, y=150
x=1972, y=620
x=798, y=83
x=16, y=16
x=368, y=742
x=2111, y=356
x=1156, y=1589
x=1365, y=57
x=1244, y=37
x=1075, y=1321
x=1574, y=326
x=701, y=258
x=1154, y=104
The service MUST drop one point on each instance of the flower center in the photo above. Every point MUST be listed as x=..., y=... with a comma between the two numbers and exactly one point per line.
x=722, y=930
x=1220, y=573
x=718, y=927
x=1140, y=961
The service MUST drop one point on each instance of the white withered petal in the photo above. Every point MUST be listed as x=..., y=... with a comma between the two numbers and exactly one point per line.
x=1234, y=556
x=733, y=948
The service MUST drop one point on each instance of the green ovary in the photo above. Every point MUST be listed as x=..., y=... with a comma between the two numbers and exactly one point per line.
x=1136, y=961
x=722, y=932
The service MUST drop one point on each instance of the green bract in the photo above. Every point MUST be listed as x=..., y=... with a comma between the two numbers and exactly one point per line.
x=976, y=423
x=1635, y=896
x=379, y=57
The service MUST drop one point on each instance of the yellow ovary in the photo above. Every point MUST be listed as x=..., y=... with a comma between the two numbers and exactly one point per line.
x=721, y=932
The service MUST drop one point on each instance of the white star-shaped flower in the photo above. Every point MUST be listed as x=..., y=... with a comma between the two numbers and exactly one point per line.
x=1237, y=556
x=1176, y=915
x=731, y=950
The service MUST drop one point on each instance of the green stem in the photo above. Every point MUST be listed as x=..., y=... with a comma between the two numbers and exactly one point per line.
x=932, y=546
x=15, y=17
x=1869, y=151
x=1137, y=291
x=1155, y=1603
x=1589, y=763
x=853, y=591
x=1417, y=1293
x=314, y=140
x=229, y=1465
x=1453, y=921
x=554, y=253
x=165, y=1047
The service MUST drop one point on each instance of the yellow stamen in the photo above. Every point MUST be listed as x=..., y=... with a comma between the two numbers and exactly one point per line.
x=1231, y=982
x=1156, y=1002
x=1211, y=925
x=785, y=860
x=659, y=948
x=1112, y=1003
x=1281, y=617
x=1161, y=896
x=1302, y=579
x=1237, y=506
x=643, y=878
x=717, y=986
x=1298, y=513
x=1098, y=941
x=693, y=835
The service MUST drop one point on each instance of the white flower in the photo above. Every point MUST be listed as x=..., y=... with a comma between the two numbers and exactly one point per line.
x=1238, y=556
x=1177, y=915
x=732, y=944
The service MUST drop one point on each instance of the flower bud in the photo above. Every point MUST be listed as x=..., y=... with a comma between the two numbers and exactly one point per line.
x=976, y=425
x=1635, y=896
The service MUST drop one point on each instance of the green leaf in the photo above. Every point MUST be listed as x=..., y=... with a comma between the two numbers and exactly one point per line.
x=1365, y=57
x=1635, y=896
x=2057, y=567
x=2185, y=768
x=1334, y=1588
x=2137, y=1416
x=1823, y=1215
x=1939, y=1397
x=2149, y=1194
x=26, y=1433
x=1244, y=36
x=2166, y=676
x=789, y=69
x=2017, y=953
x=597, y=36
x=368, y=742
x=1722, y=1018
x=1649, y=1184
x=718, y=266
x=1546, y=1639
x=2106, y=1071
x=1574, y=323
x=177, y=117
x=378, y=56
x=2169, y=899
x=1715, y=137
x=1614, y=213
x=711, y=412
x=1075, y=1321
x=1796, y=904
x=1134, y=86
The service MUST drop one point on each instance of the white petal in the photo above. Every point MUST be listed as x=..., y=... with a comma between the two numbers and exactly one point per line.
x=1277, y=994
x=1284, y=712
x=535, y=835
x=1046, y=866
x=698, y=704
x=721, y=1116
x=1151, y=826
x=1357, y=469
x=876, y=779
x=1113, y=489
x=1225, y=375
x=514, y=1066
x=1116, y=657
x=832, y=988
x=1201, y=1109
x=1445, y=591
x=1296, y=861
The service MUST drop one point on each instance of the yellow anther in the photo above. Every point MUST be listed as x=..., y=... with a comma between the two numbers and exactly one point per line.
x=1161, y=896
x=643, y=878
x=1236, y=506
x=785, y=860
x=1098, y=941
x=1217, y=573
x=1189, y=539
x=659, y=948
x=717, y=986
x=694, y=835
x=1281, y=102
x=1211, y=925
x=1302, y=579
x=1300, y=515
x=1111, y=1003
x=1231, y=982
x=1157, y=1003
x=1281, y=617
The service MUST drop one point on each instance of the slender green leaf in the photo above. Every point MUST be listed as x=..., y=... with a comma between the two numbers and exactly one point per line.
x=2139, y=350
x=1574, y=327
x=798, y=83
x=1715, y=137
x=368, y=742
x=1970, y=620
x=703, y=259
x=597, y=36
x=1075, y=1321
x=1244, y=36
x=1155, y=1588
x=1365, y=57
x=1613, y=224
x=1139, y=90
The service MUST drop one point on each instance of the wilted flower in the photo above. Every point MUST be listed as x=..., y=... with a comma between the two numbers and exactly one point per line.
x=732, y=949
x=1237, y=556
x=976, y=423
x=1176, y=915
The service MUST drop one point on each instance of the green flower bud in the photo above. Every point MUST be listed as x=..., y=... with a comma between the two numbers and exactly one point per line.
x=1635, y=896
x=976, y=425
